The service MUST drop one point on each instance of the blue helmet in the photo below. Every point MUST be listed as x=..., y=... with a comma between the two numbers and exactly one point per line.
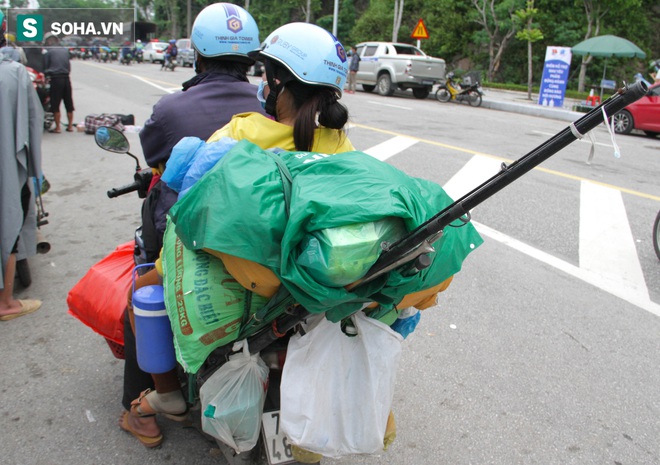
x=173, y=41
x=312, y=54
x=225, y=29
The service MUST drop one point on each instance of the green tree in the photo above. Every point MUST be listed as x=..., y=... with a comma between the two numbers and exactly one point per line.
x=529, y=33
x=498, y=28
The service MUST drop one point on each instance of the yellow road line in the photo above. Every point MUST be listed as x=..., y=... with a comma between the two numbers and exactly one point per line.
x=538, y=168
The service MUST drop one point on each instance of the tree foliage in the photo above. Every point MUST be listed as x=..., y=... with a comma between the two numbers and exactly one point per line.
x=468, y=34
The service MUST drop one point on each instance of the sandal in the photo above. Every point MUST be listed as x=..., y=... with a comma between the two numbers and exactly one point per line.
x=147, y=441
x=140, y=407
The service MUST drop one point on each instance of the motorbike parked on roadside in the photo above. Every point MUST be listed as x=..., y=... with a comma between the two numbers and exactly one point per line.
x=42, y=86
x=454, y=90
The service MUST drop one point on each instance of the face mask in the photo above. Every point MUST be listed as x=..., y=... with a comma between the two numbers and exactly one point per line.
x=260, y=93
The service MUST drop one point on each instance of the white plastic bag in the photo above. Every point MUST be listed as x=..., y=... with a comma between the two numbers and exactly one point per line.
x=233, y=400
x=336, y=391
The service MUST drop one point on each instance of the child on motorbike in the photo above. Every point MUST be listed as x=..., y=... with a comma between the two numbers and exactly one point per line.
x=301, y=94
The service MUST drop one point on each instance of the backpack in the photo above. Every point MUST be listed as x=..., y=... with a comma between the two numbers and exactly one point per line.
x=174, y=51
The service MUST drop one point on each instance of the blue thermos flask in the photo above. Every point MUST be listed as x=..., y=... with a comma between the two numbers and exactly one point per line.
x=153, y=334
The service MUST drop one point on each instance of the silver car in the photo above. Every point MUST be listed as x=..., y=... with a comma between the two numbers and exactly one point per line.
x=185, y=53
x=154, y=52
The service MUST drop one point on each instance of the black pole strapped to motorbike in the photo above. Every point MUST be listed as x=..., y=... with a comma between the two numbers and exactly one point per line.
x=410, y=253
x=420, y=241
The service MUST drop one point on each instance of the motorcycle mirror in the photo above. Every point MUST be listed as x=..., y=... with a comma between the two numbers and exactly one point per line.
x=111, y=139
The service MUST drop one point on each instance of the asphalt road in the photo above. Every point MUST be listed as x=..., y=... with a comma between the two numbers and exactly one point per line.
x=542, y=351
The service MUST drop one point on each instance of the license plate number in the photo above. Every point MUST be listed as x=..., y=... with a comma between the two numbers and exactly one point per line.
x=430, y=83
x=277, y=445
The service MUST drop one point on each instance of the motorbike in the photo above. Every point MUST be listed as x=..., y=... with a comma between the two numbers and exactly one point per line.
x=139, y=56
x=43, y=246
x=453, y=90
x=407, y=255
x=656, y=235
x=42, y=86
x=272, y=351
x=126, y=58
x=169, y=63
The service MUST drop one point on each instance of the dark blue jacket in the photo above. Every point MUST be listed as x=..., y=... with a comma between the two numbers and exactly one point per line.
x=198, y=111
x=208, y=102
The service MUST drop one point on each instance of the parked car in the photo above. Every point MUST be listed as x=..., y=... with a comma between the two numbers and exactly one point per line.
x=185, y=53
x=644, y=114
x=386, y=66
x=154, y=52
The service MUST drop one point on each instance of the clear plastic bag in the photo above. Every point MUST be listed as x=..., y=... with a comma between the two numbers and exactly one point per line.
x=233, y=400
x=337, y=390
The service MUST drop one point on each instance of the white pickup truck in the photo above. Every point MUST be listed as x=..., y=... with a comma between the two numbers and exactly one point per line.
x=386, y=66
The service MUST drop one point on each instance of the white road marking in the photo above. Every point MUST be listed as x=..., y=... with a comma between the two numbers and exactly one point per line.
x=146, y=81
x=633, y=297
x=607, y=246
x=390, y=147
x=388, y=105
x=476, y=171
x=632, y=289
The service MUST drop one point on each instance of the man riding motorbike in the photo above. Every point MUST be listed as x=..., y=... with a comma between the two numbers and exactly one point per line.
x=302, y=96
x=219, y=89
x=170, y=54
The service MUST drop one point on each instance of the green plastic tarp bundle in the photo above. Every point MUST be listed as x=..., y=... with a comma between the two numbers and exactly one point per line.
x=259, y=205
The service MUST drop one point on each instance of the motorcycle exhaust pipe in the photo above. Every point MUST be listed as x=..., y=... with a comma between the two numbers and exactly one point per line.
x=43, y=246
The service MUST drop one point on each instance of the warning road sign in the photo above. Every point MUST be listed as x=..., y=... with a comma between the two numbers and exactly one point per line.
x=420, y=31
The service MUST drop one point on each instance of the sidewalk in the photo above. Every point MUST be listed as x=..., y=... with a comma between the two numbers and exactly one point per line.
x=517, y=102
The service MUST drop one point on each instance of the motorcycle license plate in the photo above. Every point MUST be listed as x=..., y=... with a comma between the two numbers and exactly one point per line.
x=278, y=448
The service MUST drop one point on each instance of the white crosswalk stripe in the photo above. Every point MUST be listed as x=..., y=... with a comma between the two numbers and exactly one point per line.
x=607, y=247
x=391, y=147
x=607, y=254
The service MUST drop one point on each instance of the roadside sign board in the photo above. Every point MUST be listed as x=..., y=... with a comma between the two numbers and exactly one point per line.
x=420, y=31
x=555, y=76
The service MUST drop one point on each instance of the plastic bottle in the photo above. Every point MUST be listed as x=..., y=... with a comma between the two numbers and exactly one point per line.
x=407, y=321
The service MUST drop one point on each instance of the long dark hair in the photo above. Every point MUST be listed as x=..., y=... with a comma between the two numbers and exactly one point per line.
x=314, y=102
x=314, y=105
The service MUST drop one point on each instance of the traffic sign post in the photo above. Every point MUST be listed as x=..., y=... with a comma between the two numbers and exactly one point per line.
x=420, y=32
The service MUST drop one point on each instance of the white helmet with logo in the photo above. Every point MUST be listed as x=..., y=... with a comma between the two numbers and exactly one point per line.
x=225, y=30
x=312, y=54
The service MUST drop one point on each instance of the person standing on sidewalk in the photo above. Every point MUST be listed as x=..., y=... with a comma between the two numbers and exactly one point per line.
x=21, y=125
x=353, y=68
x=57, y=68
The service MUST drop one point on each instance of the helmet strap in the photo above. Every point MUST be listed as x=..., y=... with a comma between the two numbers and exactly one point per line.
x=271, y=100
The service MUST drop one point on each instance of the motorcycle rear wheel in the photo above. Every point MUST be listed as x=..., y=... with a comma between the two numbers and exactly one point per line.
x=474, y=98
x=656, y=235
x=442, y=95
x=23, y=273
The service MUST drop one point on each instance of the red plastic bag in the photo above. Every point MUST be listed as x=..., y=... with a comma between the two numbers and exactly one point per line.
x=99, y=298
